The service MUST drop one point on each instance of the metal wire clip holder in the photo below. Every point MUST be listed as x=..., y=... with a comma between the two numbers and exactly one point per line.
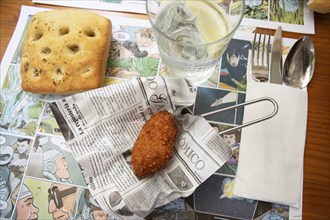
x=271, y=100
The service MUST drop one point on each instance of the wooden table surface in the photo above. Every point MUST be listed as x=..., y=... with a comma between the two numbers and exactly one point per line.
x=316, y=194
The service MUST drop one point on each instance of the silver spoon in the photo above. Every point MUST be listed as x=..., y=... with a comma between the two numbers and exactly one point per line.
x=299, y=65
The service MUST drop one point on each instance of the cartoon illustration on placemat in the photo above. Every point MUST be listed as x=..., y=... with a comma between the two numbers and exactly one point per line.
x=233, y=140
x=62, y=201
x=26, y=209
x=48, y=122
x=14, y=153
x=19, y=111
x=257, y=9
x=57, y=162
x=133, y=53
x=222, y=202
x=291, y=12
x=211, y=99
x=267, y=210
x=233, y=66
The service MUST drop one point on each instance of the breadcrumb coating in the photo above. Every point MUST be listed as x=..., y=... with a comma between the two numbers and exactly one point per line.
x=154, y=145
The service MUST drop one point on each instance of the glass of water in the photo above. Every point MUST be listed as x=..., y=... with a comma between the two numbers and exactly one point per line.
x=193, y=34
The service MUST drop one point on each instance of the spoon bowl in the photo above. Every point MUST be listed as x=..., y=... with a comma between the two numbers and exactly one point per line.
x=299, y=65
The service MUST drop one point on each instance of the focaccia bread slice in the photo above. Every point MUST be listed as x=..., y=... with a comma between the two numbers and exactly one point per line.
x=65, y=52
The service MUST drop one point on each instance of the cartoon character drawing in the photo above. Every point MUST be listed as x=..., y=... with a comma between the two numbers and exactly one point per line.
x=227, y=189
x=51, y=159
x=228, y=98
x=16, y=111
x=61, y=201
x=6, y=155
x=233, y=59
x=13, y=160
x=234, y=66
x=55, y=166
x=98, y=214
x=22, y=148
x=230, y=167
x=231, y=140
x=8, y=97
x=146, y=41
x=26, y=209
x=69, y=202
x=132, y=61
x=20, y=157
x=16, y=105
x=241, y=85
x=19, y=112
x=137, y=55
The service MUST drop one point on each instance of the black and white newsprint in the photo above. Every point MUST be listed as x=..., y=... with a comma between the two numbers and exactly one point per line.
x=102, y=125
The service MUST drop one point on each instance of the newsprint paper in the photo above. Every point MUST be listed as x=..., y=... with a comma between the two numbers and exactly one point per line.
x=102, y=125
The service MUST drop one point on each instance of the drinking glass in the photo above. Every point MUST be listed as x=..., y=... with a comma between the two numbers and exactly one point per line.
x=193, y=34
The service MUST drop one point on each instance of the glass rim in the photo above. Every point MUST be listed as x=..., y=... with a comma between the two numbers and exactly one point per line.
x=197, y=45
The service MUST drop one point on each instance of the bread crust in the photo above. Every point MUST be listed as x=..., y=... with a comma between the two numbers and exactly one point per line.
x=65, y=52
x=154, y=145
x=320, y=6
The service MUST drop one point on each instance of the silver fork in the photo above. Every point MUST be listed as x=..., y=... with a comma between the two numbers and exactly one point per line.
x=260, y=56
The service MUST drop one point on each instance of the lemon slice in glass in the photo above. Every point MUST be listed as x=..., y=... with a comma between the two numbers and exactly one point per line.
x=211, y=22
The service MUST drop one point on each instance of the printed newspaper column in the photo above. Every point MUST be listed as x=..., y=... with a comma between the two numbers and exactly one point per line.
x=103, y=124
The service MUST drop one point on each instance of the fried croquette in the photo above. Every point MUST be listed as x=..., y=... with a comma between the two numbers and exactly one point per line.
x=154, y=145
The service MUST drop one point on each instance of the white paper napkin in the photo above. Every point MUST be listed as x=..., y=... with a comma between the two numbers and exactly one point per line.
x=271, y=155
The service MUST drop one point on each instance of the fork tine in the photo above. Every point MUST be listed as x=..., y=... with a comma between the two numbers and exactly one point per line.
x=254, y=46
x=263, y=47
x=258, y=52
x=268, y=47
